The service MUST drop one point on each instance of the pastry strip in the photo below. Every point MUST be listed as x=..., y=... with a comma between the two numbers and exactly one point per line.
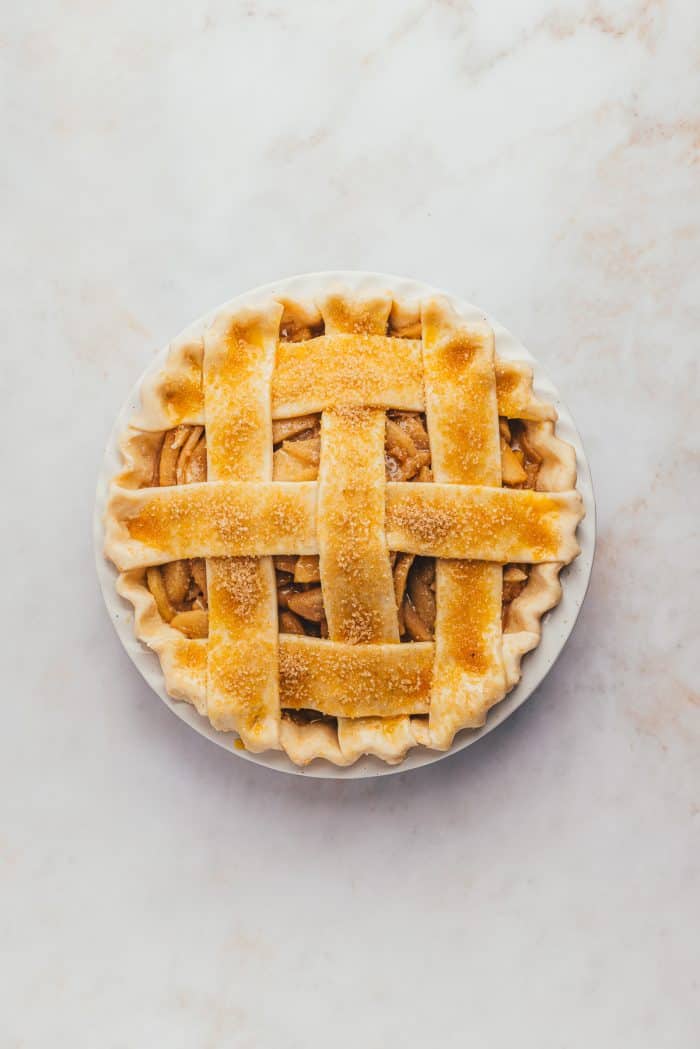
x=358, y=587
x=150, y=526
x=483, y=523
x=462, y=415
x=242, y=655
x=373, y=370
x=354, y=681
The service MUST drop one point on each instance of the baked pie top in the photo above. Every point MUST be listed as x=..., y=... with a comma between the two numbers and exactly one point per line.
x=340, y=523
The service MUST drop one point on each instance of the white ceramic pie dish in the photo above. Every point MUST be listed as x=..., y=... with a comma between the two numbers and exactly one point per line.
x=557, y=624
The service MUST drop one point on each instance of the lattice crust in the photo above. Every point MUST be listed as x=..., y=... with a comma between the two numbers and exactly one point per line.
x=352, y=544
x=151, y=526
x=208, y=492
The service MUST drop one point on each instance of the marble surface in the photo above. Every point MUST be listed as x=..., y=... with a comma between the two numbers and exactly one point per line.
x=540, y=159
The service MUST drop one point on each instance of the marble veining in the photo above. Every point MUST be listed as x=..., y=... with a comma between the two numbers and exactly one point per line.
x=540, y=159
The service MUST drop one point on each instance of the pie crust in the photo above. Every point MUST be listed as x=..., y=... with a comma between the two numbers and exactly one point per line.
x=221, y=485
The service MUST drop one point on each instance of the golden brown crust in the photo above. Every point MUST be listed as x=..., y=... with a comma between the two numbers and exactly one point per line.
x=462, y=415
x=361, y=316
x=358, y=586
x=516, y=399
x=461, y=404
x=174, y=395
x=482, y=522
x=150, y=526
x=242, y=652
x=542, y=592
x=376, y=370
x=360, y=354
x=239, y=361
x=353, y=681
x=348, y=371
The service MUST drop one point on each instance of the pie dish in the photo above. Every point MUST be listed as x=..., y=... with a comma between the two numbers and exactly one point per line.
x=340, y=520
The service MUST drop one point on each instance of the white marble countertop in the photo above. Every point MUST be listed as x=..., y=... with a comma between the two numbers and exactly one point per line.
x=538, y=889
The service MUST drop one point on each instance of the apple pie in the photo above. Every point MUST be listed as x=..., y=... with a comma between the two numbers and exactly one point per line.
x=340, y=522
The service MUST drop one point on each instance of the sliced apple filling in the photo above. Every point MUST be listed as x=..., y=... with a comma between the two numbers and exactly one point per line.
x=520, y=462
x=183, y=457
x=180, y=592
